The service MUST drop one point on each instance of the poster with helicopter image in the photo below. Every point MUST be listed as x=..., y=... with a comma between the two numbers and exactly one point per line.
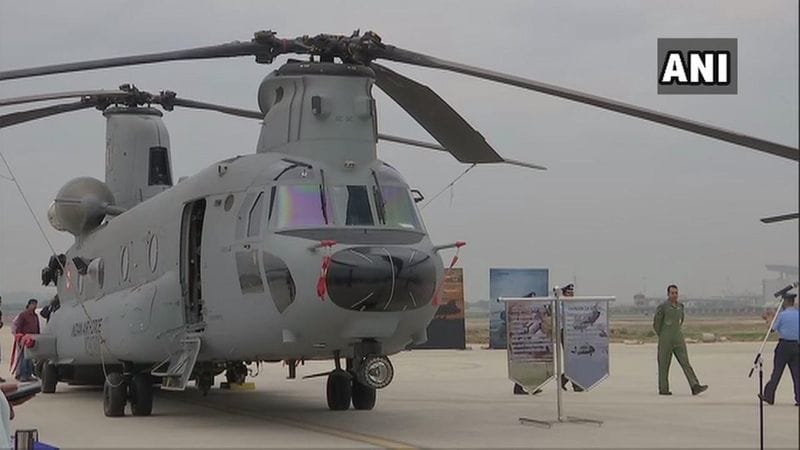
x=586, y=341
x=530, y=342
x=447, y=329
x=511, y=283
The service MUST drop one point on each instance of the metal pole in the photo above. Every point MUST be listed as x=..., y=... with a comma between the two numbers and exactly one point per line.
x=557, y=352
x=761, y=401
x=766, y=337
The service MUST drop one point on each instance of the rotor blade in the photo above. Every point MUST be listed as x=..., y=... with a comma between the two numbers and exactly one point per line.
x=436, y=116
x=405, y=56
x=215, y=51
x=780, y=218
x=56, y=96
x=219, y=108
x=515, y=162
x=33, y=114
x=423, y=144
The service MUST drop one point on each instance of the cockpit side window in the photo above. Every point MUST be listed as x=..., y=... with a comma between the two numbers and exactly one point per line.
x=256, y=213
x=398, y=207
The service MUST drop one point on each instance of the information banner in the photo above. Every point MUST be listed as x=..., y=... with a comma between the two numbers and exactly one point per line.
x=530, y=342
x=511, y=283
x=585, y=341
x=446, y=330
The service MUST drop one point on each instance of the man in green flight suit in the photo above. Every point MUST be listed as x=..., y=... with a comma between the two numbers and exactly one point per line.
x=667, y=323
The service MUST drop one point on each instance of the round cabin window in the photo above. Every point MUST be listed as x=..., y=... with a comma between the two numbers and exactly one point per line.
x=228, y=202
x=124, y=265
x=152, y=253
x=101, y=273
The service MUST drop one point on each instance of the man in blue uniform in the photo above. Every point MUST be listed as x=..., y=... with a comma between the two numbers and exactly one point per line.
x=787, y=352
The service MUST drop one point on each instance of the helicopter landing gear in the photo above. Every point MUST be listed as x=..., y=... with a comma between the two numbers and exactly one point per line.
x=363, y=396
x=204, y=383
x=375, y=371
x=115, y=395
x=339, y=390
x=235, y=373
x=141, y=394
x=49, y=374
x=119, y=389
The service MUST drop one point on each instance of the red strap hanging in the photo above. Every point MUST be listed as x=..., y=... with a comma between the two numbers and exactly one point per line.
x=22, y=341
x=322, y=283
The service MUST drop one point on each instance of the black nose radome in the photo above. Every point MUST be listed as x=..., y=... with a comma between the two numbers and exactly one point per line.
x=381, y=278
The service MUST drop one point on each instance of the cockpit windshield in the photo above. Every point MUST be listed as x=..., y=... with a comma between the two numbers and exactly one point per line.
x=298, y=205
x=307, y=201
x=352, y=206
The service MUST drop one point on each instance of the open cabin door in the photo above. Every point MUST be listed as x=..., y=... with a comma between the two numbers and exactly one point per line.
x=191, y=260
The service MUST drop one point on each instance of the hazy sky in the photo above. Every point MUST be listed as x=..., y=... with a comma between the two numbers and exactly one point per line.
x=626, y=205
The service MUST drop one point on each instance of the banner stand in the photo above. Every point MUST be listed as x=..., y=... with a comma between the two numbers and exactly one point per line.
x=557, y=302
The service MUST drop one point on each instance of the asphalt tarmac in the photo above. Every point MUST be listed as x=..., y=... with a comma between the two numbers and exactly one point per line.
x=454, y=399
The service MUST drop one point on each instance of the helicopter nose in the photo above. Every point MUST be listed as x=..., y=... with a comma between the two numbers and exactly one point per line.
x=381, y=278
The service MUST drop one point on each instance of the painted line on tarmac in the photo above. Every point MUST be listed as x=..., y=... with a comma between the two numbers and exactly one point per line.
x=322, y=429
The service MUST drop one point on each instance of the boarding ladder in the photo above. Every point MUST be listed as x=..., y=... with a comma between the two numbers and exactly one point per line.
x=177, y=368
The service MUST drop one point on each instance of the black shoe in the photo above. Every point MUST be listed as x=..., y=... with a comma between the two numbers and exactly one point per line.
x=699, y=388
x=576, y=388
x=564, y=382
x=518, y=390
x=665, y=393
x=769, y=402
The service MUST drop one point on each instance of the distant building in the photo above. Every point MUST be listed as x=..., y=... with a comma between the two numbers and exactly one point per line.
x=732, y=305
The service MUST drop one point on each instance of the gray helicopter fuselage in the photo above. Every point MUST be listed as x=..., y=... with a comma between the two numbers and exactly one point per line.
x=248, y=274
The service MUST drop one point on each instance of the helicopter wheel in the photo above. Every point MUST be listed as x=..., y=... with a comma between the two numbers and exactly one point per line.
x=363, y=396
x=141, y=394
x=49, y=377
x=115, y=390
x=236, y=373
x=204, y=383
x=339, y=390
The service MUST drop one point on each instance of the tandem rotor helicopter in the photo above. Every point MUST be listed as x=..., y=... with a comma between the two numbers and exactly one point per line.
x=309, y=248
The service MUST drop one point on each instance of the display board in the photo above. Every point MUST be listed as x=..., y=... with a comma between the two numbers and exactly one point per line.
x=447, y=330
x=511, y=283
x=530, y=342
x=585, y=341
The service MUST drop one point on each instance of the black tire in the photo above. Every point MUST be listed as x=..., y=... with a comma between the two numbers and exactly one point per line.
x=236, y=374
x=204, y=383
x=339, y=391
x=141, y=394
x=115, y=395
x=49, y=377
x=363, y=396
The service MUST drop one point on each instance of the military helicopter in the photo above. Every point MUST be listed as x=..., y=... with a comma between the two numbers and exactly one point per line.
x=310, y=248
